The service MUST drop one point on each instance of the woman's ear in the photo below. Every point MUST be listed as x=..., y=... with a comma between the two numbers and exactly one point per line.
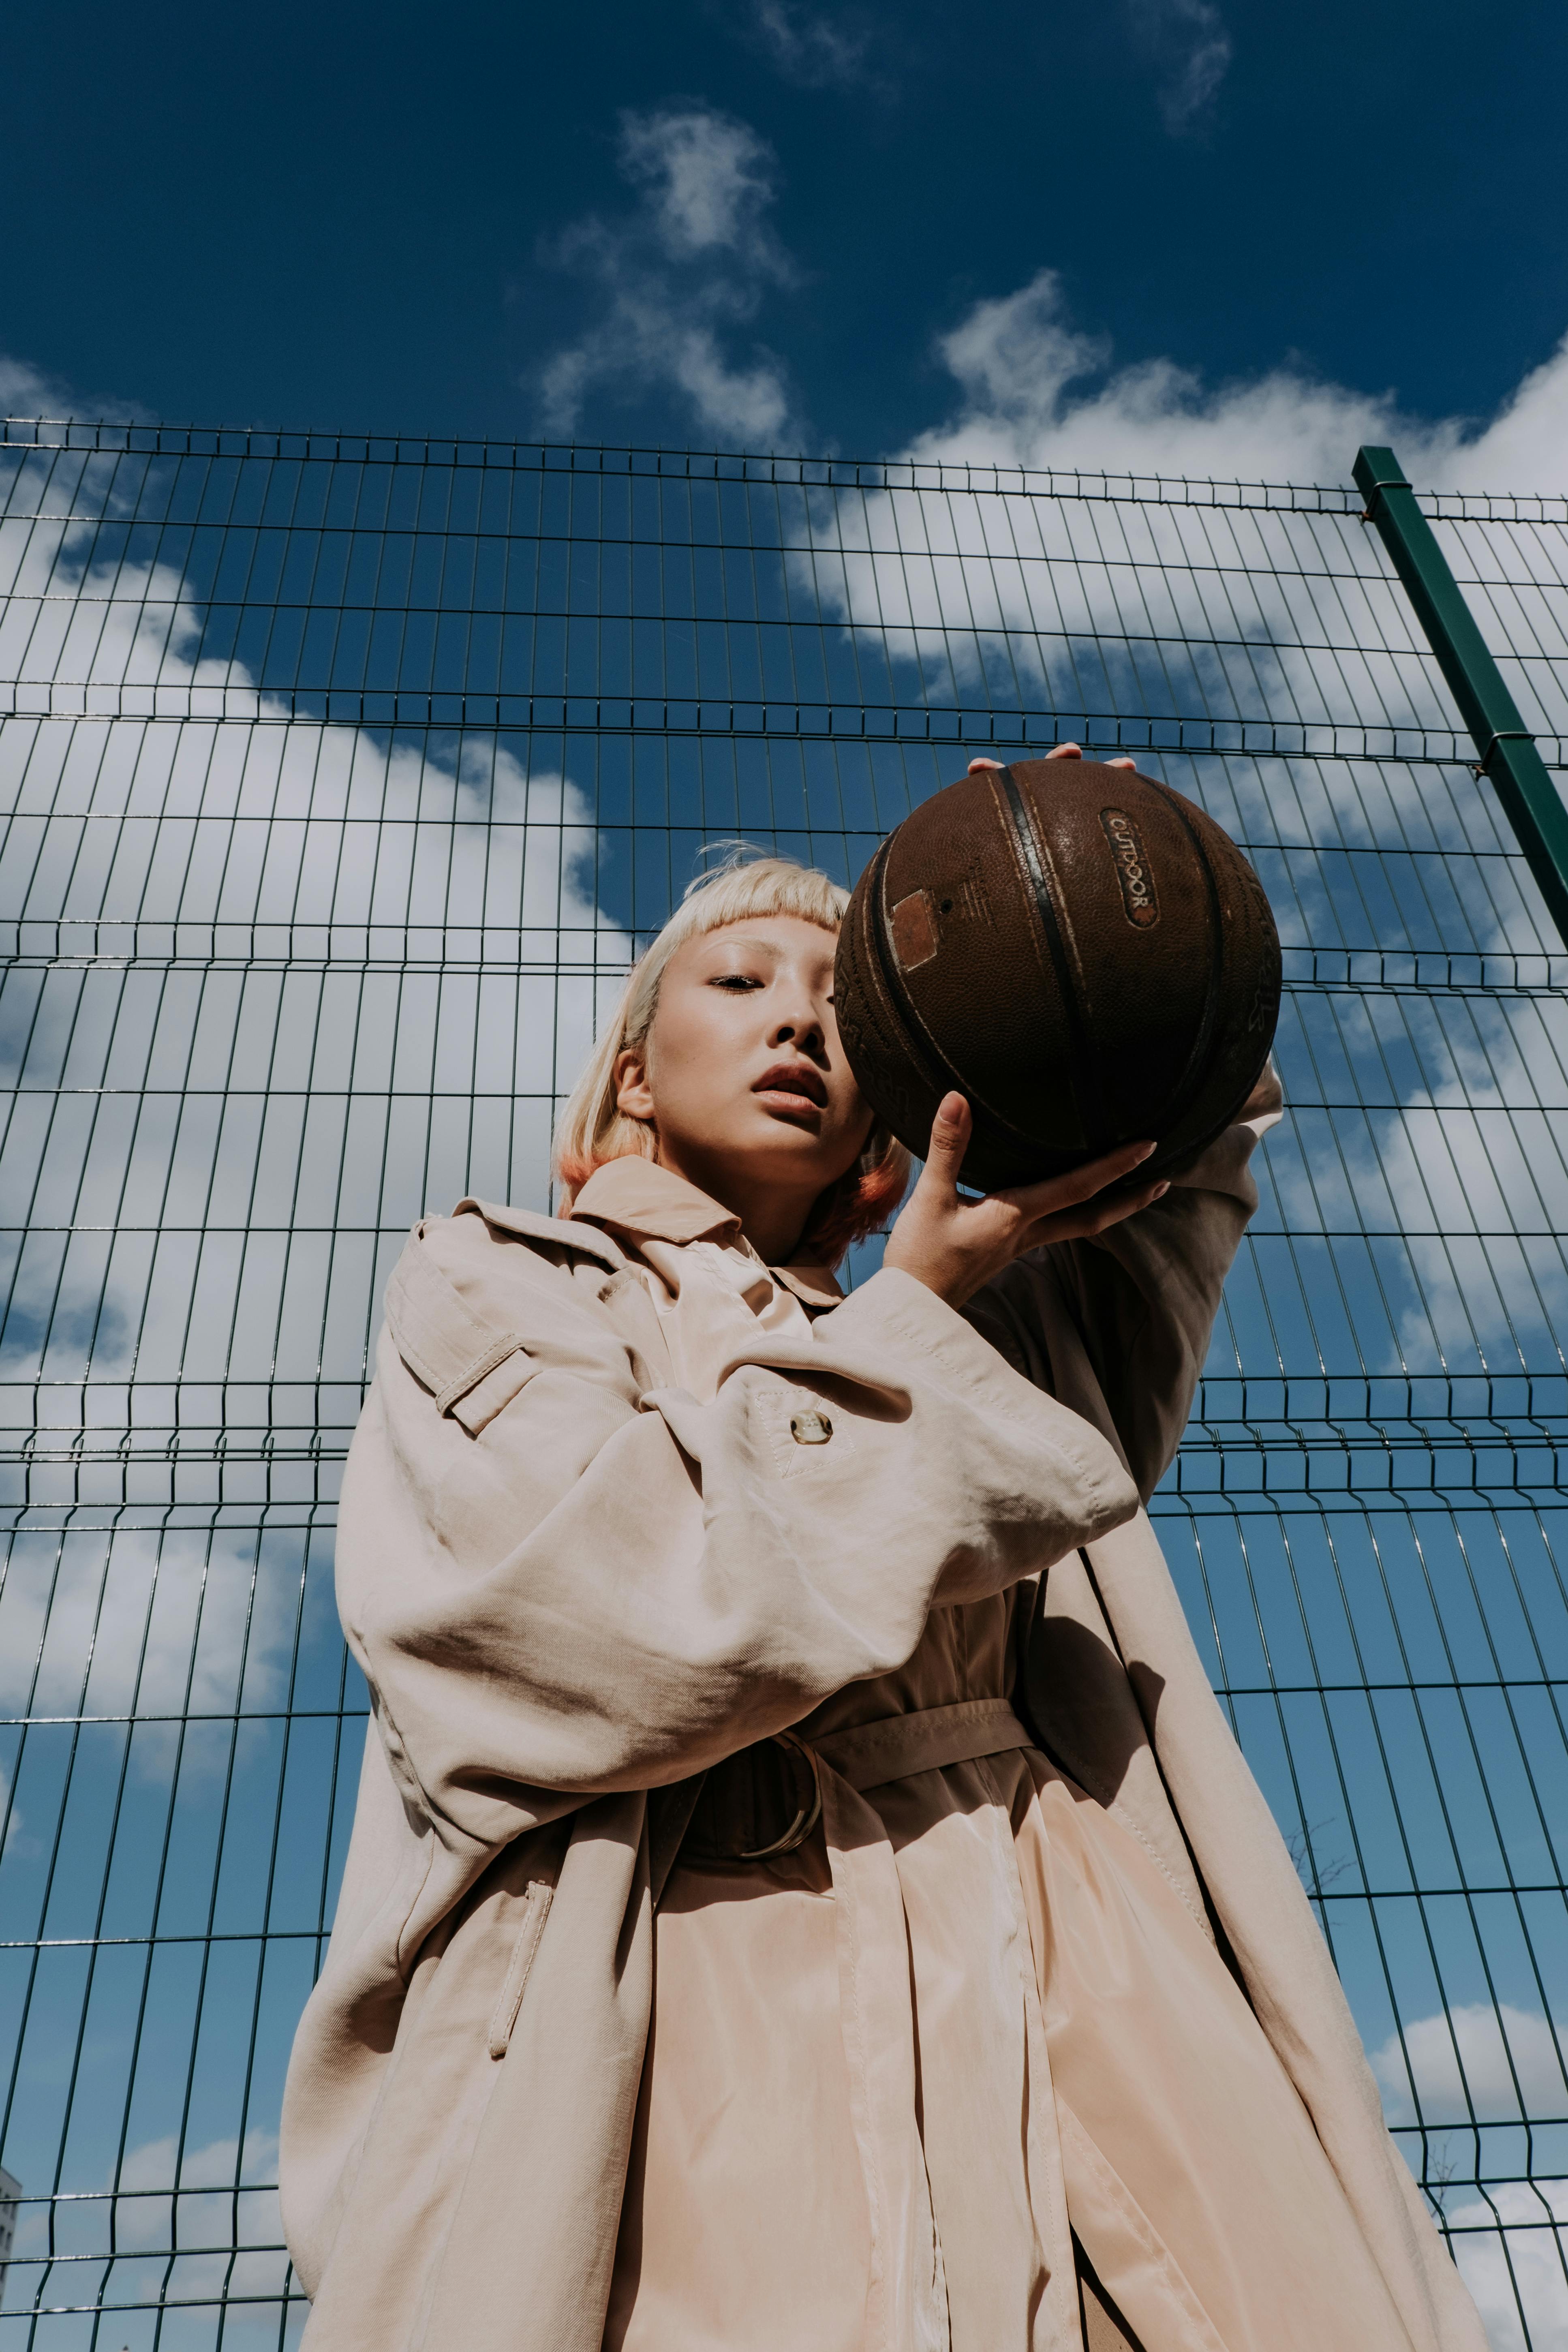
x=634, y=1096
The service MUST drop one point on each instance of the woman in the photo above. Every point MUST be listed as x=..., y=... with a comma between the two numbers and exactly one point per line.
x=781, y=1914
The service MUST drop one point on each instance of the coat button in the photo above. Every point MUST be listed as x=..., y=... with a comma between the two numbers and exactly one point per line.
x=810, y=1428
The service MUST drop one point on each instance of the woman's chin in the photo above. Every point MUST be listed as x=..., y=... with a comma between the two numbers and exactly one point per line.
x=790, y=1148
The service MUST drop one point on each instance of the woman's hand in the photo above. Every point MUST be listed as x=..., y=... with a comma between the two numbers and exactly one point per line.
x=955, y=1246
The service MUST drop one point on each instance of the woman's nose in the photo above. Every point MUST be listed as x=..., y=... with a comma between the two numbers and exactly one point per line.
x=801, y=1028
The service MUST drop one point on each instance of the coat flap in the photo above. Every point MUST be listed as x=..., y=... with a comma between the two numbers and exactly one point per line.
x=449, y=1344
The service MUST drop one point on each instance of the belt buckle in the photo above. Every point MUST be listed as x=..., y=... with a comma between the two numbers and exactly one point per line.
x=807, y=1816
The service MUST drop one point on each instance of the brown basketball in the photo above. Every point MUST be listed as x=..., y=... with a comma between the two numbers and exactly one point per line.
x=1080, y=951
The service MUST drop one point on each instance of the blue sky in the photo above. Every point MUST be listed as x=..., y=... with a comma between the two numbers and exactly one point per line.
x=756, y=221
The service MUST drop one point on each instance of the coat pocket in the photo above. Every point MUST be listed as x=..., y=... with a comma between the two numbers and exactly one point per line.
x=503, y=2017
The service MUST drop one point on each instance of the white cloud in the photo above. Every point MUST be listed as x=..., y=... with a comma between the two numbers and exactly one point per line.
x=707, y=181
x=676, y=280
x=1192, y=49
x=1132, y=615
x=118, y=625
x=954, y=582
x=812, y=48
x=436, y=841
x=135, y=1622
x=1440, y=1182
x=1520, y=2264
x=1501, y=2062
x=1503, y=2066
x=227, y=2195
x=1035, y=391
x=212, y=2215
x=27, y=391
x=221, y=2164
x=649, y=339
x=1150, y=610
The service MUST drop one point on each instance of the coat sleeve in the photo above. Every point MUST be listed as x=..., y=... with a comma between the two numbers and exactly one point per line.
x=612, y=1586
x=1119, y=1328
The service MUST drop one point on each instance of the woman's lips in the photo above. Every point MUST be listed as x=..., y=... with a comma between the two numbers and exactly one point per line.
x=798, y=1108
x=793, y=1091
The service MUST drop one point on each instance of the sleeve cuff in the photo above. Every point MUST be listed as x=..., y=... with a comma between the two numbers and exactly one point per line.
x=1222, y=1166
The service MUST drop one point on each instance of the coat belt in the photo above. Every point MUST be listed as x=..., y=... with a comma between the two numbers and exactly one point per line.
x=898, y=1745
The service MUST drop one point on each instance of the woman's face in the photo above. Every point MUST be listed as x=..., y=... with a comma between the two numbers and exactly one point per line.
x=742, y=1074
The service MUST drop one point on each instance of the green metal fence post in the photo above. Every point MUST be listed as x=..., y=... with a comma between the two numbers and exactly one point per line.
x=1505, y=747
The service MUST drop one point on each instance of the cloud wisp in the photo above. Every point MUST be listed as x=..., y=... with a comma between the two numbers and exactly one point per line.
x=811, y=48
x=677, y=281
x=1190, y=46
x=28, y=391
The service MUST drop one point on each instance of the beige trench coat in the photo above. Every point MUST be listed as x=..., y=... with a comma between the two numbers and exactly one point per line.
x=586, y=1559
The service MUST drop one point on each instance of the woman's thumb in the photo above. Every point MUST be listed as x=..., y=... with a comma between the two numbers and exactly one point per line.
x=949, y=1131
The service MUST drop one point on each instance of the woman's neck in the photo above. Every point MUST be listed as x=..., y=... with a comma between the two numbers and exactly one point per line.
x=773, y=1216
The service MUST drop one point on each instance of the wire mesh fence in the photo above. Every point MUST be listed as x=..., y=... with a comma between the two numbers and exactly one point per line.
x=337, y=781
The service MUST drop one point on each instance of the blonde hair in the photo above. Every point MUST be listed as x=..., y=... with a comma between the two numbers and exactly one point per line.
x=593, y=1128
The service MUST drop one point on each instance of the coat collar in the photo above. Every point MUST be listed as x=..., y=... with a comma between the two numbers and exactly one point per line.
x=634, y=1199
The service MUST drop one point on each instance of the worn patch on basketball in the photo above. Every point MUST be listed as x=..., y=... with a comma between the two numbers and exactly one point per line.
x=1140, y=900
x=915, y=938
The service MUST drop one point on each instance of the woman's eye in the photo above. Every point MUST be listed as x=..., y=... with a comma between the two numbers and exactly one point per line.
x=734, y=981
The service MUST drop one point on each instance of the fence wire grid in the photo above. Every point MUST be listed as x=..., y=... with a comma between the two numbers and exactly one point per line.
x=339, y=780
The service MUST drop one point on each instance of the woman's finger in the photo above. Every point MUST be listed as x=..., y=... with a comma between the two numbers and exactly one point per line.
x=1061, y=752
x=1078, y=1184
x=1097, y=1215
x=1094, y=1217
